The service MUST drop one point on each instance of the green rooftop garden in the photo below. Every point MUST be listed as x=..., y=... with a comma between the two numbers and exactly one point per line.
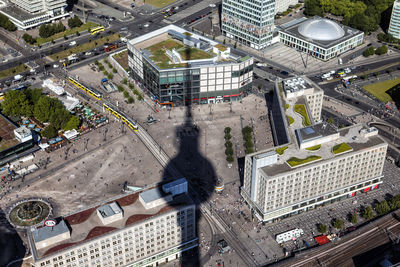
x=314, y=148
x=281, y=150
x=160, y=58
x=301, y=109
x=293, y=161
x=221, y=47
x=340, y=148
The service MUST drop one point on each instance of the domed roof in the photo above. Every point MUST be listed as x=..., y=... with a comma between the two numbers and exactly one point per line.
x=321, y=29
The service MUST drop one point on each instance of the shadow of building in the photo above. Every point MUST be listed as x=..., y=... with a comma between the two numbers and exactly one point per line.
x=11, y=245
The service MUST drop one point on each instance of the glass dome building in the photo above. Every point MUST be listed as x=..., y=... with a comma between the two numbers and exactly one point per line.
x=320, y=37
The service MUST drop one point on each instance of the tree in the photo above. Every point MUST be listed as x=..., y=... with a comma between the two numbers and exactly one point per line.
x=322, y=228
x=224, y=42
x=227, y=130
x=114, y=70
x=354, y=218
x=389, y=71
x=74, y=22
x=338, y=224
x=229, y=158
x=131, y=100
x=49, y=132
x=235, y=45
x=313, y=8
x=368, y=213
x=120, y=88
x=16, y=103
x=110, y=76
x=229, y=151
x=228, y=144
x=6, y=23
x=369, y=51
x=126, y=94
x=228, y=136
x=394, y=202
x=125, y=80
x=382, y=208
x=381, y=50
x=28, y=38
x=330, y=120
x=73, y=123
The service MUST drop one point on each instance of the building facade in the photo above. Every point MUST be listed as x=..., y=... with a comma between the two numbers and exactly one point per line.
x=215, y=74
x=320, y=38
x=141, y=229
x=319, y=165
x=394, y=26
x=26, y=14
x=250, y=23
x=283, y=5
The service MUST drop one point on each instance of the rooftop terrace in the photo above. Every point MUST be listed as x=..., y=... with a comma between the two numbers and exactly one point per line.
x=7, y=137
x=86, y=225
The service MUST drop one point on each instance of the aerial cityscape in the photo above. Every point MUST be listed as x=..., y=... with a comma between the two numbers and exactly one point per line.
x=199, y=133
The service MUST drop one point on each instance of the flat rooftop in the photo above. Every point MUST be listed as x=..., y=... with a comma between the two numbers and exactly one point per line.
x=19, y=14
x=293, y=29
x=7, y=137
x=315, y=131
x=349, y=135
x=86, y=225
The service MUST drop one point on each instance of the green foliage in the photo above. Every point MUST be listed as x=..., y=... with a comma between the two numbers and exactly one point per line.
x=338, y=224
x=293, y=161
x=131, y=100
x=381, y=50
x=228, y=136
x=114, y=70
x=73, y=123
x=49, y=132
x=227, y=130
x=368, y=213
x=47, y=30
x=322, y=228
x=354, y=218
x=140, y=97
x=110, y=76
x=281, y=150
x=16, y=103
x=229, y=151
x=131, y=86
x=301, y=109
x=105, y=61
x=247, y=130
x=313, y=148
x=330, y=120
x=248, y=144
x=387, y=37
x=235, y=45
x=28, y=38
x=120, y=88
x=101, y=68
x=249, y=150
x=125, y=81
x=228, y=144
x=394, y=202
x=382, y=208
x=74, y=22
x=291, y=120
x=5, y=23
x=126, y=94
x=229, y=158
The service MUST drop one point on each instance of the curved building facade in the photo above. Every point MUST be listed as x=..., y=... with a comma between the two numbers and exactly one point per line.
x=321, y=38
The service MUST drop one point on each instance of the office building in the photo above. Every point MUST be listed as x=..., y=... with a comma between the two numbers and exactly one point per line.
x=394, y=26
x=177, y=67
x=283, y=5
x=319, y=37
x=250, y=23
x=146, y=228
x=27, y=14
x=319, y=165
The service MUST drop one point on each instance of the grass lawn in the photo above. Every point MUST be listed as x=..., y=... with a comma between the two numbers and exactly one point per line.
x=281, y=150
x=68, y=32
x=191, y=53
x=379, y=89
x=340, y=148
x=122, y=59
x=13, y=71
x=293, y=161
x=291, y=120
x=86, y=46
x=301, y=109
x=158, y=3
x=287, y=106
x=314, y=148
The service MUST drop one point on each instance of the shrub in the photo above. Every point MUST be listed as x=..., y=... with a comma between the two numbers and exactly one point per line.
x=120, y=88
x=229, y=151
x=131, y=86
x=228, y=136
x=125, y=81
x=229, y=158
x=322, y=228
x=114, y=70
x=227, y=130
x=338, y=224
x=381, y=50
x=354, y=218
x=131, y=100
x=368, y=213
x=369, y=51
x=228, y=144
x=28, y=38
x=382, y=208
x=110, y=76
x=126, y=94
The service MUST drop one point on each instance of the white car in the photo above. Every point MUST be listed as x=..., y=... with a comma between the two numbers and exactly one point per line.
x=56, y=66
x=146, y=25
x=347, y=70
x=212, y=5
x=72, y=43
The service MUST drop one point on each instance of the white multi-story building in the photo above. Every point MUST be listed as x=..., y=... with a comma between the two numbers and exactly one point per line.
x=26, y=14
x=283, y=5
x=192, y=69
x=249, y=22
x=147, y=228
x=319, y=165
x=319, y=37
x=394, y=26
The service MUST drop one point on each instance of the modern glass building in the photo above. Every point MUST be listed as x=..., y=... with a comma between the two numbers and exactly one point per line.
x=176, y=67
x=394, y=26
x=249, y=22
x=319, y=37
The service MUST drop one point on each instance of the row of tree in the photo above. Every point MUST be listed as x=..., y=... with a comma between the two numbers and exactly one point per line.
x=33, y=103
x=365, y=15
x=228, y=145
x=47, y=30
x=74, y=22
x=6, y=23
x=248, y=139
x=379, y=51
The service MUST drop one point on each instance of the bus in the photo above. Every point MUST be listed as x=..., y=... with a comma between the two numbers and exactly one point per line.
x=1, y=96
x=96, y=30
x=89, y=91
x=131, y=124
